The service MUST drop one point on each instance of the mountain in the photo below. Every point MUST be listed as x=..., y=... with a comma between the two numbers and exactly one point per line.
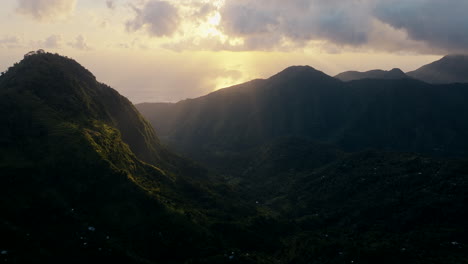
x=374, y=74
x=45, y=75
x=83, y=177
x=350, y=172
x=245, y=114
x=449, y=69
x=77, y=184
x=398, y=115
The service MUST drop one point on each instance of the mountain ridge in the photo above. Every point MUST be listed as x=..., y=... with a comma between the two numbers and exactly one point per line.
x=395, y=73
x=449, y=69
x=323, y=108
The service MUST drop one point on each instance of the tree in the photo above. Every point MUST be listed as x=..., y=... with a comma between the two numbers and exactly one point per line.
x=29, y=54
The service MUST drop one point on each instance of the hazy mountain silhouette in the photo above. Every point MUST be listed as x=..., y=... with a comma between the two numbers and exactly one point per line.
x=401, y=115
x=374, y=74
x=449, y=69
x=288, y=144
x=244, y=133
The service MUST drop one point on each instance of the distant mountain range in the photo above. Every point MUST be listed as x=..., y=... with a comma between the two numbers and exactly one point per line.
x=357, y=164
x=449, y=69
x=398, y=115
x=374, y=74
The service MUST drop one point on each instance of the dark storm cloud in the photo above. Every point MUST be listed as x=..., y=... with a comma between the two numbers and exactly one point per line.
x=245, y=20
x=423, y=26
x=443, y=24
x=344, y=22
x=158, y=18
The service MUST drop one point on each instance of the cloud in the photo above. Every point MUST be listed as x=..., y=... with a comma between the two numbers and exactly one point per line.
x=110, y=4
x=442, y=24
x=10, y=42
x=46, y=10
x=203, y=9
x=244, y=19
x=134, y=44
x=385, y=37
x=416, y=26
x=80, y=43
x=342, y=22
x=158, y=18
x=51, y=42
x=427, y=26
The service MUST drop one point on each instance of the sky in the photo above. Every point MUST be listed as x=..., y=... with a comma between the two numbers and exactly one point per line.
x=170, y=50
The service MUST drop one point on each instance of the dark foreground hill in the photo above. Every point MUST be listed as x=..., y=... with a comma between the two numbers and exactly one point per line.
x=449, y=69
x=374, y=74
x=83, y=177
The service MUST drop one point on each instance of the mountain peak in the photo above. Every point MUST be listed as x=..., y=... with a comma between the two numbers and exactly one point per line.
x=49, y=74
x=300, y=69
x=41, y=59
x=396, y=70
x=60, y=82
x=69, y=90
x=300, y=73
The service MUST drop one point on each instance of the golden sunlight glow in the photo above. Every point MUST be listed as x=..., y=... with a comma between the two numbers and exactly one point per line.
x=214, y=19
x=209, y=28
x=224, y=82
x=219, y=3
